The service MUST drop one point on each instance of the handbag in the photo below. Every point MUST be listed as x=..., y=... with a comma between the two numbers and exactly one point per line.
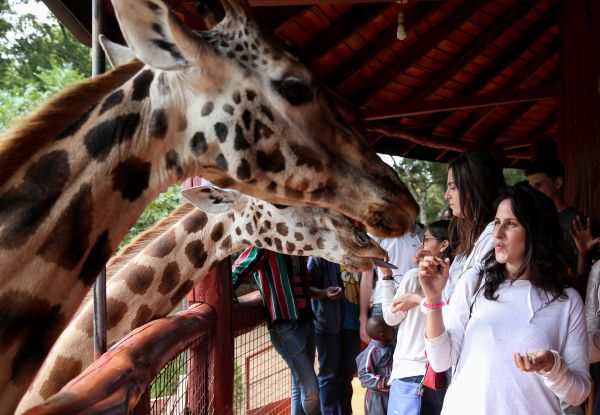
x=434, y=380
x=405, y=398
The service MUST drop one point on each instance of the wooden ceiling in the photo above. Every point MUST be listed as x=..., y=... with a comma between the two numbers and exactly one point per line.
x=470, y=74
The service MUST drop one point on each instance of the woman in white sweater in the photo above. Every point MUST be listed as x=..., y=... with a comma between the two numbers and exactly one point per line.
x=409, y=354
x=515, y=334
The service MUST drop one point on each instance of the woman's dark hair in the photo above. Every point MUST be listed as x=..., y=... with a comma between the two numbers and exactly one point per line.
x=478, y=179
x=545, y=258
x=439, y=230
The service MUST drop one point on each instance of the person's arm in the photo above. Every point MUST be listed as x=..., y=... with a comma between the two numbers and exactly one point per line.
x=566, y=375
x=247, y=263
x=367, y=370
x=408, y=285
x=365, y=294
x=316, y=271
x=329, y=293
x=585, y=244
x=594, y=346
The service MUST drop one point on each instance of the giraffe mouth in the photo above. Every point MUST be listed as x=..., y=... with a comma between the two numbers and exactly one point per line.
x=383, y=264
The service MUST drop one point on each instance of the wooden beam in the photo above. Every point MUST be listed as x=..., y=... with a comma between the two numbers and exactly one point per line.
x=526, y=141
x=419, y=49
x=382, y=42
x=460, y=102
x=270, y=3
x=353, y=21
x=277, y=18
x=477, y=46
x=522, y=75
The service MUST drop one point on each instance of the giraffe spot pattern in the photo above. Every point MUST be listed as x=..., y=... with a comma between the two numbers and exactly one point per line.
x=24, y=208
x=207, y=108
x=182, y=124
x=112, y=101
x=142, y=316
x=250, y=94
x=153, y=6
x=76, y=126
x=181, y=292
x=247, y=119
x=226, y=244
x=273, y=162
x=100, y=139
x=268, y=241
x=170, y=278
x=240, y=142
x=238, y=231
x=249, y=228
x=68, y=241
x=217, y=232
x=321, y=243
x=173, y=163
x=169, y=47
x=265, y=110
x=85, y=324
x=158, y=30
x=163, y=82
x=298, y=236
x=139, y=278
x=96, y=259
x=268, y=224
x=261, y=131
x=278, y=244
x=290, y=247
x=198, y=144
x=115, y=311
x=307, y=247
x=221, y=131
x=237, y=97
x=65, y=368
x=32, y=322
x=131, y=177
x=196, y=253
x=306, y=157
x=243, y=171
x=282, y=229
x=141, y=85
x=195, y=221
x=228, y=109
x=162, y=246
x=222, y=162
x=257, y=244
x=158, y=124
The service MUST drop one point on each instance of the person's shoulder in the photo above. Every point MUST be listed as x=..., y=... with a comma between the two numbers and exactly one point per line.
x=569, y=212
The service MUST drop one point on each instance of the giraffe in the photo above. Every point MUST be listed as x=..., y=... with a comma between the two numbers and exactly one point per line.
x=157, y=269
x=229, y=104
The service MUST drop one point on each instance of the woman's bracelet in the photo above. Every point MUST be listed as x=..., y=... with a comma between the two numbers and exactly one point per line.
x=426, y=307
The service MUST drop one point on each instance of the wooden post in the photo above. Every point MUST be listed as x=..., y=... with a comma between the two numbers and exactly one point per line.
x=579, y=121
x=216, y=290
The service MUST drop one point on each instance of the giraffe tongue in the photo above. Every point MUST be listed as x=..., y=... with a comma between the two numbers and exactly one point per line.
x=383, y=264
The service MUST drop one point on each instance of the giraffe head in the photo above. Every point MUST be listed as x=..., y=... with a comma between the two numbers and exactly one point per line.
x=289, y=230
x=250, y=115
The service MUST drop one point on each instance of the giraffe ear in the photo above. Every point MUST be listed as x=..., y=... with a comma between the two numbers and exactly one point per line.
x=116, y=54
x=157, y=37
x=213, y=199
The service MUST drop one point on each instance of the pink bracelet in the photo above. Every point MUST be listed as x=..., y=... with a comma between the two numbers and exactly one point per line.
x=435, y=306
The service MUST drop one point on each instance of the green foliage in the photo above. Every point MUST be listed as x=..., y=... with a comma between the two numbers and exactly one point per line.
x=159, y=208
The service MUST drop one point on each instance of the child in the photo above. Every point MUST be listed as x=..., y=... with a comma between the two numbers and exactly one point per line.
x=375, y=365
x=409, y=355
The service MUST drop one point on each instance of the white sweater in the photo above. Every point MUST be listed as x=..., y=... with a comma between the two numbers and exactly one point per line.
x=409, y=354
x=486, y=380
x=592, y=312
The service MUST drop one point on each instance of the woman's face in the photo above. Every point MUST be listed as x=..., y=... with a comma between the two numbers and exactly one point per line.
x=433, y=245
x=452, y=196
x=509, y=236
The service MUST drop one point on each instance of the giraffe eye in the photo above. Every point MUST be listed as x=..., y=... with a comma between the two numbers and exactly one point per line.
x=294, y=90
x=362, y=237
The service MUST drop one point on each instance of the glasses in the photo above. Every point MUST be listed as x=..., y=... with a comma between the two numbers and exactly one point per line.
x=425, y=239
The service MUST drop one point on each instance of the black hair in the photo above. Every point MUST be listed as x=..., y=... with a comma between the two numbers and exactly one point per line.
x=552, y=168
x=439, y=230
x=544, y=259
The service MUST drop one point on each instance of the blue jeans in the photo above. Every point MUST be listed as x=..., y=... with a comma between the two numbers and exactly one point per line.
x=295, y=342
x=337, y=365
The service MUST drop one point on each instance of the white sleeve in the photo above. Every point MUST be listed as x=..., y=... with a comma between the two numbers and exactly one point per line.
x=409, y=284
x=569, y=378
x=592, y=299
x=443, y=352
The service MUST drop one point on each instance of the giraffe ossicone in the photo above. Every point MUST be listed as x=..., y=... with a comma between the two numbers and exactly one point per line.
x=229, y=104
x=157, y=269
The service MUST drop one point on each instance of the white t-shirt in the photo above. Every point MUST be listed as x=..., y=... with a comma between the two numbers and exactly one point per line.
x=462, y=264
x=592, y=312
x=486, y=380
x=400, y=251
x=409, y=354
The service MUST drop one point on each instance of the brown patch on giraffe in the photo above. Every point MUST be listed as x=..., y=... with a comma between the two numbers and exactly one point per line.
x=307, y=247
x=96, y=259
x=268, y=224
x=273, y=162
x=321, y=243
x=226, y=244
x=237, y=97
x=313, y=231
x=260, y=131
x=101, y=138
x=34, y=324
x=68, y=241
x=222, y=162
x=112, y=101
x=85, y=324
x=198, y=144
x=257, y=243
x=139, y=278
x=181, y=292
x=25, y=207
x=282, y=229
x=290, y=247
x=141, y=85
x=195, y=221
x=158, y=124
x=239, y=141
x=131, y=177
x=307, y=157
x=298, y=236
x=247, y=119
x=217, y=232
x=243, y=170
x=196, y=253
x=143, y=315
x=164, y=245
x=65, y=368
x=278, y=244
x=228, y=108
x=115, y=311
x=221, y=131
x=238, y=231
x=268, y=241
x=207, y=108
x=170, y=278
x=249, y=228
x=173, y=163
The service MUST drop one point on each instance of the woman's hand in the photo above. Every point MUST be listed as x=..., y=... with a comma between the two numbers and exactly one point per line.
x=406, y=302
x=433, y=275
x=534, y=361
x=582, y=235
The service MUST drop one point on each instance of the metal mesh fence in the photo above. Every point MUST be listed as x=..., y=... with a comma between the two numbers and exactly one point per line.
x=183, y=386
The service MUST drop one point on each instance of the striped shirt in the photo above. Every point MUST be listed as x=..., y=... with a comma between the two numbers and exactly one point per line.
x=283, y=282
